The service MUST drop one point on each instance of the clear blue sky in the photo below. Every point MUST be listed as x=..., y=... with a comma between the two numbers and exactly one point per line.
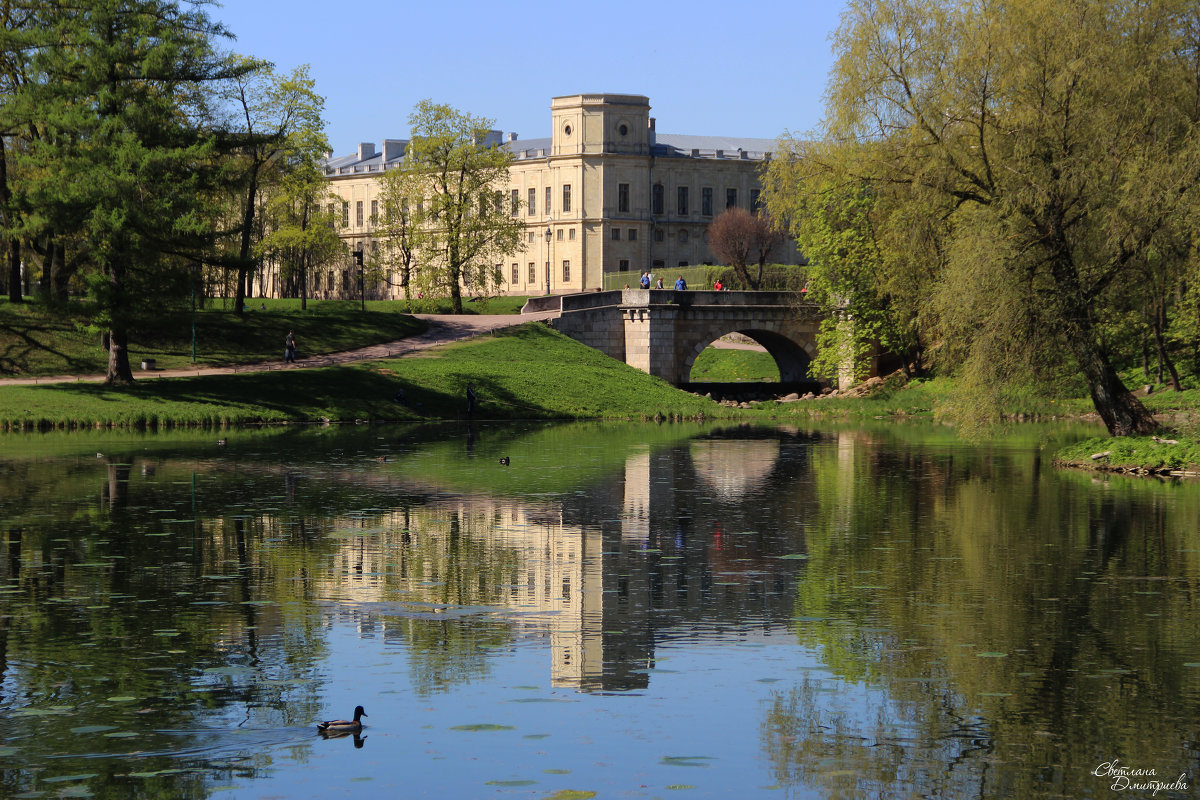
x=715, y=69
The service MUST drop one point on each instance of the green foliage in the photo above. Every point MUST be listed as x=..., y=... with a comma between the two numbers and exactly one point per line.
x=455, y=223
x=120, y=162
x=1024, y=187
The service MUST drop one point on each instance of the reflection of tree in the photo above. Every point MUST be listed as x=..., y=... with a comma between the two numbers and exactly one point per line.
x=1042, y=625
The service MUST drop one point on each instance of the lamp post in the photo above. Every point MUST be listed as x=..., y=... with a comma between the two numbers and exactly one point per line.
x=362, y=289
x=548, y=234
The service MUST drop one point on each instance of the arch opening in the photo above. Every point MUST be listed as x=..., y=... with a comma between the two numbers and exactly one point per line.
x=748, y=361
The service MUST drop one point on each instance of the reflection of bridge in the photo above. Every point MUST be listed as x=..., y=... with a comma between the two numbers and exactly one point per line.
x=662, y=332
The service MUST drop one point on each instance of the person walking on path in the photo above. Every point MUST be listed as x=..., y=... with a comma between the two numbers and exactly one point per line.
x=645, y=280
x=680, y=284
x=289, y=347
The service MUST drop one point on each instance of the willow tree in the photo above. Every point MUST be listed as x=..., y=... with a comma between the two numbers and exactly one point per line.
x=874, y=253
x=460, y=164
x=1061, y=134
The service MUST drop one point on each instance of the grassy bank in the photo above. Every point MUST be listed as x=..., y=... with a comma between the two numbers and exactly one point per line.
x=36, y=340
x=528, y=372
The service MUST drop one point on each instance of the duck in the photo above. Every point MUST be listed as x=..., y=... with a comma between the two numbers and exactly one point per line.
x=344, y=725
x=504, y=461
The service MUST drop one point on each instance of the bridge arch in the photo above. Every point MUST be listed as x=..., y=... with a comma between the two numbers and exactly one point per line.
x=792, y=357
x=662, y=331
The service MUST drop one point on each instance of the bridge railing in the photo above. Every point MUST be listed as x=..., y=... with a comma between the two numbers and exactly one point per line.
x=659, y=297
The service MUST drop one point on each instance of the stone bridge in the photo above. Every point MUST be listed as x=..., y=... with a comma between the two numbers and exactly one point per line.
x=662, y=331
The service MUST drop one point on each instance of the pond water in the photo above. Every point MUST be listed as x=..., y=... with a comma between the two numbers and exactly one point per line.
x=622, y=611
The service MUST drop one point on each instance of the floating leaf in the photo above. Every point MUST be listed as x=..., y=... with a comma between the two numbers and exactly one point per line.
x=122, y=698
x=64, y=778
x=93, y=728
x=483, y=726
x=991, y=654
x=571, y=794
x=686, y=761
x=510, y=783
x=794, y=557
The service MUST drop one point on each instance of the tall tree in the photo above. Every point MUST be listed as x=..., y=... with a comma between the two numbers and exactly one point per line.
x=740, y=238
x=123, y=161
x=458, y=160
x=1062, y=133
x=265, y=108
x=401, y=225
x=301, y=217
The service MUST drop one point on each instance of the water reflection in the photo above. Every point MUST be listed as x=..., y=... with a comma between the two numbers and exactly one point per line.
x=175, y=612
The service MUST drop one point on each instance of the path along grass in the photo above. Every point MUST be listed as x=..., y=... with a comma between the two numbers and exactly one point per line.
x=526, y=372
x=38, y=340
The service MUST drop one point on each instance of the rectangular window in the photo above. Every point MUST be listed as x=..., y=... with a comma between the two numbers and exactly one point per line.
x=730, y=198
x=571, y=234
x=682, y=205
x=566, y=271
x=516, y=203
x=358, y=213
x=616, y=234
x=547, y=200
x=532, y=210
x=706, y=201
x=516, y=275
x=623, y=265
x=656, y=195
x=632, y=235
x=566, y=198
x=659, y=235
x=530, y=237
x=374, y=211
x=560, y=234
x=532, y=273
x=623, y=198
x=754, y=199
x=345, y=214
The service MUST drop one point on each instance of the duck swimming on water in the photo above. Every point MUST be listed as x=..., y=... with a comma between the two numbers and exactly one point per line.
x=344, y=725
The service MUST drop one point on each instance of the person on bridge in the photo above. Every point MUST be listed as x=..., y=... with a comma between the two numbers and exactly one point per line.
x=680, y=284
x=645, y=280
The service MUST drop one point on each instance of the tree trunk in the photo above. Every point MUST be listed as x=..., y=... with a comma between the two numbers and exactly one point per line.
x=118, y=357
x=1160, y=343
x=304, y=281
x=14, y=271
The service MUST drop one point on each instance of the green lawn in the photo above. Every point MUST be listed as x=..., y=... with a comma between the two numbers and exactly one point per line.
x=527, y=372
x=720, y=365
x=35, y=340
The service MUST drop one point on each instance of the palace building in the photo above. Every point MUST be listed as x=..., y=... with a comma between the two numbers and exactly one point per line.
x=604, y=193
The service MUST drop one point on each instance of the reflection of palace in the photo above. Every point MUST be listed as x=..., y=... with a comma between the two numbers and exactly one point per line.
x=684, y=540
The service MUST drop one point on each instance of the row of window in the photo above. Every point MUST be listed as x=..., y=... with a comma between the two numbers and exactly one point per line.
x=683, y=199
x=657, y=202
x=531, y=204
x=516, y=273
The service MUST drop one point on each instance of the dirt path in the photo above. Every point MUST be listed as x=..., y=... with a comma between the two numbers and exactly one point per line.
x=443, y=328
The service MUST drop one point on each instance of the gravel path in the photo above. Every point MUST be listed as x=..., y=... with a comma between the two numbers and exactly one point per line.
x=443, y=328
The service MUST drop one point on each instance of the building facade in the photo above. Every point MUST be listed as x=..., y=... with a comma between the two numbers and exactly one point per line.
x=604, y=193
